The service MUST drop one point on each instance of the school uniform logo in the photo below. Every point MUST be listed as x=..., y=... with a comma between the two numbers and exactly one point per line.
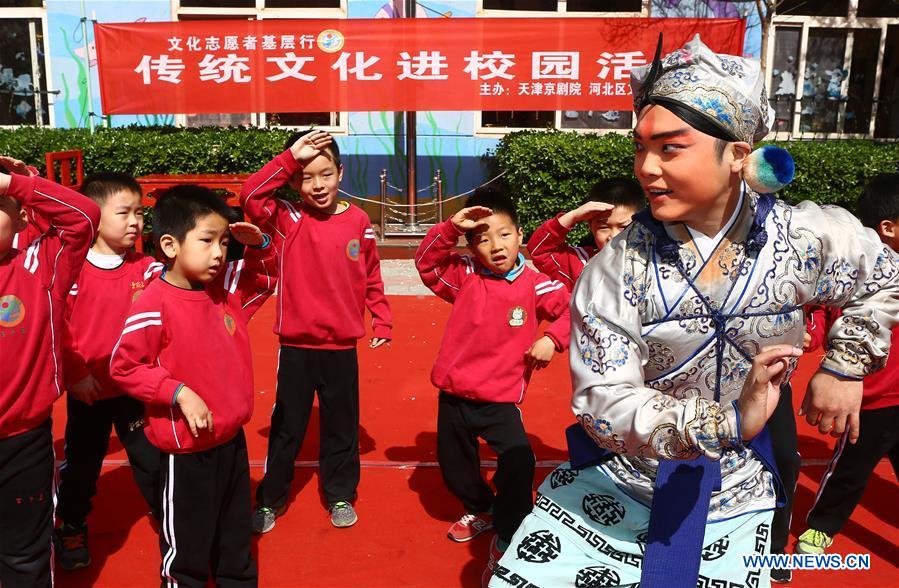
x=12, y=311
x=517, y=316
x=353, y=249
x=229, y=324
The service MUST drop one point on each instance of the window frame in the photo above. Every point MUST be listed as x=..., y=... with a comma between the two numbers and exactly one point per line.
x=850, y=24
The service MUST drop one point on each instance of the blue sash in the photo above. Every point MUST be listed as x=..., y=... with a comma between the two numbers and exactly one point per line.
x=680, y=506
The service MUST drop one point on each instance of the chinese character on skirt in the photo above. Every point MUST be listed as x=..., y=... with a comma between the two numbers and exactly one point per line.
x=427, y=65
x=213, y=44
x=290, y=66
x=166, y=69
x=555, y=65
x=489, y=65
x=231, y=43
x=358, y=70
x=222, y=69
x=175, y=44
x=288, y=42
x=621, y=64
x=193, y=44
x=269, y=42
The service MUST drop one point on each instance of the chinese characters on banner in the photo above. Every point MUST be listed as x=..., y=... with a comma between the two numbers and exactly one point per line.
x=386, y=64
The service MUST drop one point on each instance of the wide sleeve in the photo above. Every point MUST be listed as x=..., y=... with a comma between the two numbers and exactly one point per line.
x=860, y=274
x=611, y=399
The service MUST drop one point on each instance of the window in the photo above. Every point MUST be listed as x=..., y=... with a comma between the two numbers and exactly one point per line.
x=23, y=97
x=530, y=5
x=835, y=63
x=784, y=75
x=604, y=6
x=878, y=8
x=814, y=7
x=520, y=119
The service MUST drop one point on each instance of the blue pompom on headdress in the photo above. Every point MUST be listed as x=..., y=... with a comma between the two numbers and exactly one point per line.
x=768, y=169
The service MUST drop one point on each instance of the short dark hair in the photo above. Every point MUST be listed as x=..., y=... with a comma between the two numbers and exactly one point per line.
x=332, y=148
x=879, y=200
x=178, y=209
x=99, y=187
x=622, y=191
x=496, y=200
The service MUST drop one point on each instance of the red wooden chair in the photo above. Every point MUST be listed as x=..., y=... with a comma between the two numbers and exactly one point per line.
x=65, y=160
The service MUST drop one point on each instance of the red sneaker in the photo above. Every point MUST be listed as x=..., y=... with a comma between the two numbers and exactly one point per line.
x=469, y=527
x=492, y=559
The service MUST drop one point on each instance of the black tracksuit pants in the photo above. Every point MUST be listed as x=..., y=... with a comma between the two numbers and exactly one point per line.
x=334, y=376
x=206, y=524
x=460, y=423
x=851, y=466
x=26, y=508
x=88, y=428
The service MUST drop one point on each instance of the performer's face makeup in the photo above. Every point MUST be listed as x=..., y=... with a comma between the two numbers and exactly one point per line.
x=496, y=243
x=682, y=171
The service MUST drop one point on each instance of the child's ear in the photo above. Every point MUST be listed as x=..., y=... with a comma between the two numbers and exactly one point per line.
x=169, y=246
x=340, y=173
x=520, y=236
x=22, y=221
x=887, y=228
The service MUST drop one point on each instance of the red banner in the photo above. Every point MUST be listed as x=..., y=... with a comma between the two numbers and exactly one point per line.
x=386, y=64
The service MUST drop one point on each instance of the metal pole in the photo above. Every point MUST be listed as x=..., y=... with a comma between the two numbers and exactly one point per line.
x=411, y=219
x=383, y=203
x=438, y=179
x=87, y=63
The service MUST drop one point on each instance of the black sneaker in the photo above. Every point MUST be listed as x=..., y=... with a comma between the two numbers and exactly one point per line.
x=71, y=547
x=779, y=576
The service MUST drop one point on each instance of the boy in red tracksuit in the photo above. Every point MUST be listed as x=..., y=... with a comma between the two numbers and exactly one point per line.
x=184, y=351
x=607, y=209
x=330, y=273
x=34, y=283
x=97, y=305
x=851, y=466
x=486, y=358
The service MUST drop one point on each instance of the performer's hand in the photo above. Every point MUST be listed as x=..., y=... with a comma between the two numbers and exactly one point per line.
x=195, y=411
x=247, y=233
x=833, y=403
x=540, y=353
x=310, y=146
x=761, y=391
x=87, y=390
x=585, y=212
x=471, y=218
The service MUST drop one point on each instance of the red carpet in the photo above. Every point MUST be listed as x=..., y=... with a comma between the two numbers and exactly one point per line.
x=405, y=510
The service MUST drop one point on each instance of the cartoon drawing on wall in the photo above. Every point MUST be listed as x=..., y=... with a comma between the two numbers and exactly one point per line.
x=75, y=62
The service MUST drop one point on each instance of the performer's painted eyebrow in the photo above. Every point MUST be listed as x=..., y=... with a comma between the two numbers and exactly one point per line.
x=665, y=135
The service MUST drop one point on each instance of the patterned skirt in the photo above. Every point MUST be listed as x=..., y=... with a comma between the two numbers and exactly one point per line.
x=586, y=532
